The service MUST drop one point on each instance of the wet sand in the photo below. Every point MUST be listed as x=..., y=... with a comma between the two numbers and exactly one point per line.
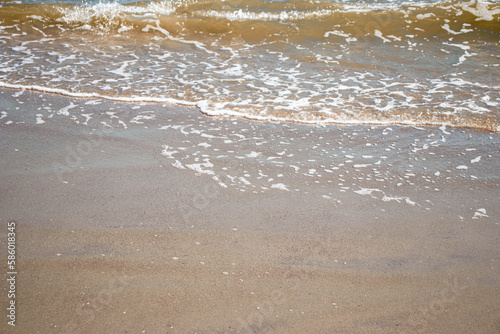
x=115, y=237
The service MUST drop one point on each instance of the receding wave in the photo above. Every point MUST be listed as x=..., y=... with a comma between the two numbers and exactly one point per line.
x=319, y=118
x=295, y=61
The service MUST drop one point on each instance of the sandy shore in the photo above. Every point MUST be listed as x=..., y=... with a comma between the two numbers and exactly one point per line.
x=163, y=224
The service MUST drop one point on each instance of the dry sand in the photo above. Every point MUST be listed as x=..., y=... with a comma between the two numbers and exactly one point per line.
x=118, y=240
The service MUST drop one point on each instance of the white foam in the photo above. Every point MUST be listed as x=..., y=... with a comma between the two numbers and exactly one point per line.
x=378, y=34
x=481, y=10
x=178, y=164
x=236, y=70
x=385, y=198
x=480, y=213
x=425, y=16
x=365, y=191
x=462, y=31
x=398, y=199
x=39, y=119
x=198, y=167
x=443, y=129
x=64, y=111
x=113, y=10
x=97, y=95
x=165, y=32
x=253, y=154
x=291, y=15
x=138, y=119
x=477, y=159
x=337, y=33
x=244, y=181
x=347, y=37
x=121, y=70
x=168, y=153
x=279, y=186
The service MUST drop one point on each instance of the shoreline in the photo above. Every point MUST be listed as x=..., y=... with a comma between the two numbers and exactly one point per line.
x=317, y=230
x=494, y=129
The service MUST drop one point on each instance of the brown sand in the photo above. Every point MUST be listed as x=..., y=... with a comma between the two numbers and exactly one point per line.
x=129, y=244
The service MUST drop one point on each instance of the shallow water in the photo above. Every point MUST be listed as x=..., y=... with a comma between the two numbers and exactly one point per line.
x=417, y=63
x=425, y=169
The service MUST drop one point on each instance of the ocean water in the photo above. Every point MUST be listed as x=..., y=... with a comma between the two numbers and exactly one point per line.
x=341, y=62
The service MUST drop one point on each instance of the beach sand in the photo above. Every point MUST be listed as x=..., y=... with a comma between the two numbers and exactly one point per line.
x=113, y=236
